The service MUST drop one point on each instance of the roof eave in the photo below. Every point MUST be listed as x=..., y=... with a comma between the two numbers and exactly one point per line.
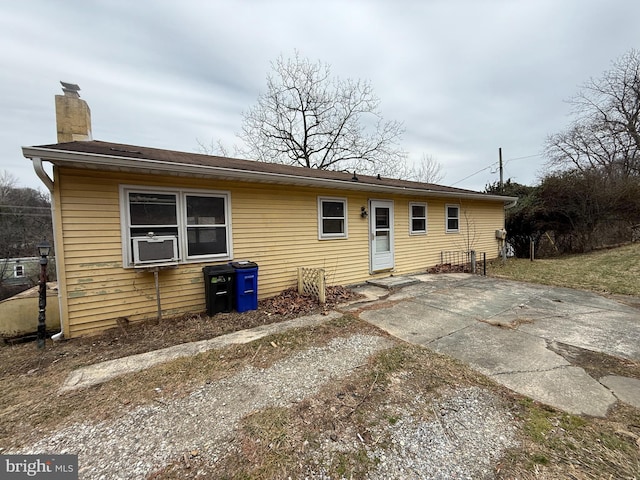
x=145, y=165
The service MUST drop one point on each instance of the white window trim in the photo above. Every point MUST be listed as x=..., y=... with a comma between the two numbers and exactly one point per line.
x=446, y=218
x=332, y=236
x=181, y=194
x=411, y=217
x=15, y=271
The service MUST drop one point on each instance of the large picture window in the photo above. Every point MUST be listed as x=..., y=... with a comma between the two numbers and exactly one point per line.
x=196, y=221
x=332, y=218
x=453, y=218
x=417, y=218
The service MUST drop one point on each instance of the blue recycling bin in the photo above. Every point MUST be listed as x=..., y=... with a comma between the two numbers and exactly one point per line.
x=246, y=286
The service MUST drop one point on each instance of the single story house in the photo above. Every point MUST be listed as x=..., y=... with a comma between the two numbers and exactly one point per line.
x=113, y=204
x=19, y=271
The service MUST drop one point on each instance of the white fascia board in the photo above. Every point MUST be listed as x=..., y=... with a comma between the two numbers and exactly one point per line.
x=111, y=162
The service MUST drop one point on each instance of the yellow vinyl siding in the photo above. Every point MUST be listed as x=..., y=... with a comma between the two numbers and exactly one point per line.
x=280, y=233
x=419, y=251
x=275, y=226
x=478, y=222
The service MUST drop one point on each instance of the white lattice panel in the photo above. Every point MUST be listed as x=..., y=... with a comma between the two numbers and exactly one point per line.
x=311, y=281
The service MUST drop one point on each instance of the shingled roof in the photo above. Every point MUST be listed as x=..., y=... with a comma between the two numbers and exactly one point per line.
x=101, y=155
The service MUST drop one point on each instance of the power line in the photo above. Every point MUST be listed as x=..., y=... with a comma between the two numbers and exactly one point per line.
x=14, y=214
x=492, y=164
x=24, y=207
x=522, y=158
x=473, y=174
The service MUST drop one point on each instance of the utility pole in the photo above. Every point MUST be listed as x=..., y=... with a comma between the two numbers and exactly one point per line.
x=501, y=170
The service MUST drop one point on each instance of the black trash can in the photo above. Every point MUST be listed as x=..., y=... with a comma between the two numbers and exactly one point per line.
x=246, y=286
x=218, y=288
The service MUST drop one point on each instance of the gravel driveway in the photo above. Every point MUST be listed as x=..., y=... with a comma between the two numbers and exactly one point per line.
x=469, y=434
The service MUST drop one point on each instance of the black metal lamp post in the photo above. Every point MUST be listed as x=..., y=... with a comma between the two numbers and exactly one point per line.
x=43, y=249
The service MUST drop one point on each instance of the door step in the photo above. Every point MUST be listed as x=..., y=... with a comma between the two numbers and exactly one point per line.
x=393, y=282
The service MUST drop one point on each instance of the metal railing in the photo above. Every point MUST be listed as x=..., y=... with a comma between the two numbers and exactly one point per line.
x=462, y=261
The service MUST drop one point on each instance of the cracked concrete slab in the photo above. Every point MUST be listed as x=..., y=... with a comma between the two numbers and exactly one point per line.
x=393, y=281
x=502, y=329
x=461, y=302
x=583, y=298
x=614, y=332
x=494, y=350
x=560, y=302
x=626, y=389
x=566, y=388
x=521, y=314
x=413, y=322
x=412, y=291
x=478, y=300
x=370, y=293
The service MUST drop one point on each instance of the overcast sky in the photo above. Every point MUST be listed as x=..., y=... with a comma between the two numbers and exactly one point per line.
x=464, y=77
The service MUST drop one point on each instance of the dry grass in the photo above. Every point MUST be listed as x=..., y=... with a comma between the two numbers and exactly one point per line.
x=30, y=378
x=328, y=431
x=614, y=271
x=31, y=405
x=559, y=446
x=290, y=442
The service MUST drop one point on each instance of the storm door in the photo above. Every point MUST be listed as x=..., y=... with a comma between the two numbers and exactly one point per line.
x=381, y=235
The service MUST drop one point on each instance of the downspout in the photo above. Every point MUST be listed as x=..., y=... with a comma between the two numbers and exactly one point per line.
x=503, y=243
x=42, y=175
x=48, y=182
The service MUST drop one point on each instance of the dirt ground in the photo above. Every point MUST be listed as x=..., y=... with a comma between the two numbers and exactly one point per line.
x=29, y=378
x=555, y=445
x=130, y=339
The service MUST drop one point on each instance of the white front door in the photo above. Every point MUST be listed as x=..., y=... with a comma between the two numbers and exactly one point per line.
x=381, y=235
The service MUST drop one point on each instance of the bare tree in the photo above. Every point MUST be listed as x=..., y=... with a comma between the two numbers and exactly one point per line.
x=219, y=148
x=606, y=131
x=25, y=218
x=427, y=170
x=8, y=183
x=469, y=231
x=308, y=118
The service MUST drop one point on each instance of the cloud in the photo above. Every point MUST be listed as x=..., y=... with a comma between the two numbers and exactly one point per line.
x=465, y=77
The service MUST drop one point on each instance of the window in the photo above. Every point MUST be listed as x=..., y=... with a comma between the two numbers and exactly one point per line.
x=332, y=218
x=206, y=226
x=198, y=221
x=453, y=218
x=18, y=271
x=418, y=218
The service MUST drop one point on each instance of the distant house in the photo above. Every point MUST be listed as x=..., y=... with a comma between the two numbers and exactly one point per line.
x=19, y=271
x=114, y=204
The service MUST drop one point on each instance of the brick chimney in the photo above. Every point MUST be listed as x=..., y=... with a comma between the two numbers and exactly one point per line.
x=73, y=116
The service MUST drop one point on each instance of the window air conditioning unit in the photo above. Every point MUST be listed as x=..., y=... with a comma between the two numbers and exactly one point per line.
x=155, y=249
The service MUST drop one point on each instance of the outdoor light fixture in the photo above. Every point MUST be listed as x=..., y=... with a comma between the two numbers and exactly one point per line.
x=44, y=249
x=363, y=212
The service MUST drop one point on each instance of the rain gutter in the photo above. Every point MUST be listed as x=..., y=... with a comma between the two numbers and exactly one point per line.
x=113, y=162
x=48, y=182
